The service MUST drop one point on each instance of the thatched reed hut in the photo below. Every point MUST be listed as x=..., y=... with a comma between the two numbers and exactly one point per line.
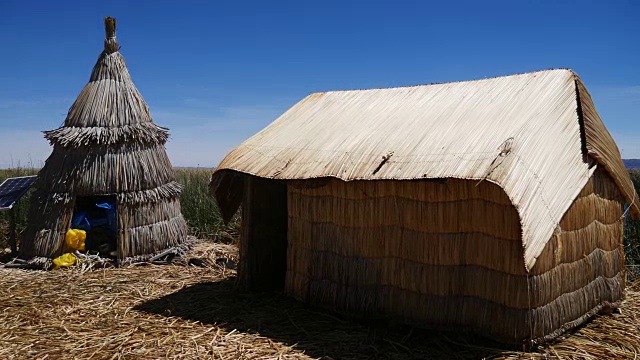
x=493, y=205
x=108, y=155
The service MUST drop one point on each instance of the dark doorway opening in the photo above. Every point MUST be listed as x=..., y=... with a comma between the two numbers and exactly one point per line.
x=263, y=239
x=97, y=215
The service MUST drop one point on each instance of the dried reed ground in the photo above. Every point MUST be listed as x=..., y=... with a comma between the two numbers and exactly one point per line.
x=178, y=312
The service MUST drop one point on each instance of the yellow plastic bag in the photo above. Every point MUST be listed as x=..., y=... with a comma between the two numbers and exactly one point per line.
x=64, y=260
x=75, y=239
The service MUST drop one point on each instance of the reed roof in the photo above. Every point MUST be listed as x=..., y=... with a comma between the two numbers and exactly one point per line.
x=109, y=143
x=537, y=135
x=109, y=109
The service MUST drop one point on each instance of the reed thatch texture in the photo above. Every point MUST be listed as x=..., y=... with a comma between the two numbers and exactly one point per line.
x=532, y=134
x=598, y=142
x=448, y=253
x=581, y=270
x=108, y=145
x=180, y=312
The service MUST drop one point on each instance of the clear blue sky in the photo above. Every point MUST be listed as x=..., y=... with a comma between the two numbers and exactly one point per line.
x=216, y=72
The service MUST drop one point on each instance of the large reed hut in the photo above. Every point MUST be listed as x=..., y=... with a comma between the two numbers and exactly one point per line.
x=493, y=205
x=108, y=172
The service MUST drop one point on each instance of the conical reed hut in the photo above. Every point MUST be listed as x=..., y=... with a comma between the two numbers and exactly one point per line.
x=494, y=205
x=108, y=171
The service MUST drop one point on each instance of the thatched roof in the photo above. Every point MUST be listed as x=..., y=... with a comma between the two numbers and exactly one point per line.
x=108, y=145
x=110, y=120
x=537, y=135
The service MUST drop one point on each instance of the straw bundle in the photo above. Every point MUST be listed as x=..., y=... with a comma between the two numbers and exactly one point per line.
x=108, y=145
x=449, y=253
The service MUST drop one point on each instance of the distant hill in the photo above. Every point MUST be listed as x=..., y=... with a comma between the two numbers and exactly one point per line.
x=631, y=163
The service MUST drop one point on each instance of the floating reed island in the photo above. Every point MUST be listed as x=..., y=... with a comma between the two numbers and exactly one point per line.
x=494, y=206
x=189, y=312
x=108, y=172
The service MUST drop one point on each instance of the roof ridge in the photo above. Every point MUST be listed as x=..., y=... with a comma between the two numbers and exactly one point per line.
x=445, y=82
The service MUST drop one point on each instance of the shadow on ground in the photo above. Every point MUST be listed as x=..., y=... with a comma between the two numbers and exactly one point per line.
x=317, y=332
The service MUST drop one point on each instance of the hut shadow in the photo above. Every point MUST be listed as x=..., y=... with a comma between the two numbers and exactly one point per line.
x=319, y=333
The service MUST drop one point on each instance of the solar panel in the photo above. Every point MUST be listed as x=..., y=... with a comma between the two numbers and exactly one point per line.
x=12, y=189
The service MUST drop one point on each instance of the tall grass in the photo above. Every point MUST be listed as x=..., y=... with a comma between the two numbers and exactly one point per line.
x=200, y=209
x=632, y=235
x=20, y=208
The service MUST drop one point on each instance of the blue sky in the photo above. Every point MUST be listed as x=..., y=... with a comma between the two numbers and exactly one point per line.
x=216, y=72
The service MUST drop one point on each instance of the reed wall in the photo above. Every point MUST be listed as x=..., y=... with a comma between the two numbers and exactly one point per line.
x=49, y=219
x=581, y=270
x=449, y=254
x=144, y=228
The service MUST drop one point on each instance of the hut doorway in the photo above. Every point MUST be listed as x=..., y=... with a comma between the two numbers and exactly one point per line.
x=263, y=241
x=97, y=215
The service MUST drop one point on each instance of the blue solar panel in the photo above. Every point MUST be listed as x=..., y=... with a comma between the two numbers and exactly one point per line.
x=12, y=189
